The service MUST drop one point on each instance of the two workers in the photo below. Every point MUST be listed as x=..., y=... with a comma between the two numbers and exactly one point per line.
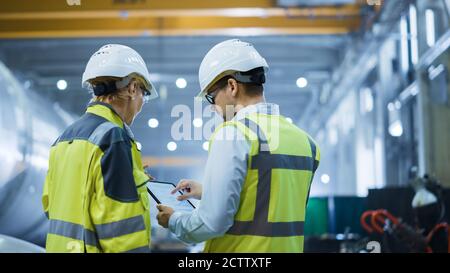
x=257, y=176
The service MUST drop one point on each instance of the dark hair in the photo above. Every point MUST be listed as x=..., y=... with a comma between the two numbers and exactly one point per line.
x=250, y=89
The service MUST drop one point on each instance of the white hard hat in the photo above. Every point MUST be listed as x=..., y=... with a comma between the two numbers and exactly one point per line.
x=116, y=60
x=224, y=59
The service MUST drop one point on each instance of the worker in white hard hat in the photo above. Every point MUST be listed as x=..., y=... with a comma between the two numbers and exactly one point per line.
x=256, y=183
x=94, y=195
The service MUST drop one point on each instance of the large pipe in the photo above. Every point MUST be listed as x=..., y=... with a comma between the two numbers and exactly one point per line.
x=28, y=126
x=13, y=245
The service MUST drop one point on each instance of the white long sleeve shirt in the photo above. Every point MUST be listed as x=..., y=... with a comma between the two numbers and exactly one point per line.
x=225, y=172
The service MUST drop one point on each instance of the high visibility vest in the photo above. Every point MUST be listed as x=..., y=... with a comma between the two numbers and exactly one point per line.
x=281, y=164
x=94, y=194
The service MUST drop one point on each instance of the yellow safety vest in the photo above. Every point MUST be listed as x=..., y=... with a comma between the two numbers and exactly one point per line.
x=94, y=193
x=281, y=164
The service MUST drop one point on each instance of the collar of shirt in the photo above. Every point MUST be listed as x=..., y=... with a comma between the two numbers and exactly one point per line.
x=107, y=111
x=261, y=108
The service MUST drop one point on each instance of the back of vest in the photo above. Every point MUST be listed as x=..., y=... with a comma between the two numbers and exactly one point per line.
x=281, y=165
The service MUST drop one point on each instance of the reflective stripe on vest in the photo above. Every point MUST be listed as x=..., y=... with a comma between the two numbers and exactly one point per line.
x=264, y=162
x=142, y=249
x=74, y=231
x=103, y=231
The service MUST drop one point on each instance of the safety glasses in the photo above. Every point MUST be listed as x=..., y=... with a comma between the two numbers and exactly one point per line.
x=211, y=97
x=145, y=93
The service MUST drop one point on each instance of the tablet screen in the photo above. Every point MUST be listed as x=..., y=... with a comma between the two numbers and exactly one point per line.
x=161, y=193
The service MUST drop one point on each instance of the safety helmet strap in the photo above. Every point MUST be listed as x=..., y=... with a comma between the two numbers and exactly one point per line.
x=106, y=88
x=255, y=76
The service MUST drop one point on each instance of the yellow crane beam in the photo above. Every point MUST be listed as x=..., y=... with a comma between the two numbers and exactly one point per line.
x=47, y=18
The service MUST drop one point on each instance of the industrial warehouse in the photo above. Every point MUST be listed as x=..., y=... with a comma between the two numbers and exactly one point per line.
x=198, y=126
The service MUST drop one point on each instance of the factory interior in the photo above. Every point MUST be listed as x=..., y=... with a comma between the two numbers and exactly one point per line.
x=368, y=80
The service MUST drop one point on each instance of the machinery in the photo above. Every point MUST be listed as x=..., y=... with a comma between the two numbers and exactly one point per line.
x=430, y=232
x=28, y=127
x=13, y=245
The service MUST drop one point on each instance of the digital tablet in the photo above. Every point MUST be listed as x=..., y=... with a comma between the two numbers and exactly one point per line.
x=161, y=192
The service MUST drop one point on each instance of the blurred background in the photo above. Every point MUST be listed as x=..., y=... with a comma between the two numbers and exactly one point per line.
x=368, y=79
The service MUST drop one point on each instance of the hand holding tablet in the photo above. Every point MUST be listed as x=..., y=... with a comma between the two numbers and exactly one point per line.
x=161, y=192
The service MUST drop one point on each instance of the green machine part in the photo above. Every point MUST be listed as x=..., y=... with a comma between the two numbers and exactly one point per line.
x=316, y=222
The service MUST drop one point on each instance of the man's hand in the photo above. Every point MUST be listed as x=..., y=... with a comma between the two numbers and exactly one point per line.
x=164, y=215
x=190, y=189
